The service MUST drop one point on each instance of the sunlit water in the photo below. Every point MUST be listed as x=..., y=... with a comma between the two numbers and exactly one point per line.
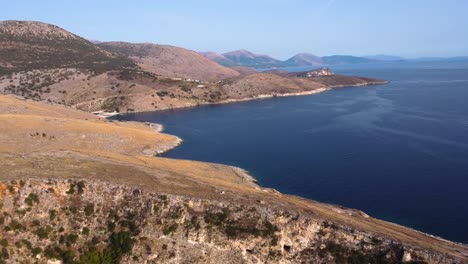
x=398, y=151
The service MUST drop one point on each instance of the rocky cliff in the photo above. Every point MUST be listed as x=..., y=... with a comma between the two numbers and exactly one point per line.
x=94, y=222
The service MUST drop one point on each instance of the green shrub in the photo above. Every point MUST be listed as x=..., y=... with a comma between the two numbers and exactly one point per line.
x=217, y=219
x=120, y=244
x=270, y=229
x=52, y=214
x=274, y=241
x=71, y=238
x=170, y=229
x=111, y=226
x=42, y=232
x=36, y=251
x=80, y=186
x=26, y=243
x=71, y=190
x=4, y=254
x=89, y=209
x=15, y=225
x=194, y=223
x=32, y=198
x=36, y=223
x=73, y=209
x=4, y=242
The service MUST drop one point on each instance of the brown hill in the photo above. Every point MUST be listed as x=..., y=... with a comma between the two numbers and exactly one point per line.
x=171, y=61
x=304, y=59
x=218, y=58
x=248, y=59
x=26, y=45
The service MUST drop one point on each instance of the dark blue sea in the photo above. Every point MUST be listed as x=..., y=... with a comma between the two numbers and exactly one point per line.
x=398, y=151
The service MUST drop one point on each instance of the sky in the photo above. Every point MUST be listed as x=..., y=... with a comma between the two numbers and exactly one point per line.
x=281, y=28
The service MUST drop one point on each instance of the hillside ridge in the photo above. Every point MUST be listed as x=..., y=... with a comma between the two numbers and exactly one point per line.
x=171, y=61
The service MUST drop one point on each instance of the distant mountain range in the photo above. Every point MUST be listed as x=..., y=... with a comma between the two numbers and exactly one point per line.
x=303, y=59
x=244, y=58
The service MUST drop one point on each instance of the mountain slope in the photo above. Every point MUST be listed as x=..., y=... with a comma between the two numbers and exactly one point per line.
x=26, y=45
x=171, y=61
x=249, y=59
x=304, y=59
x=218, y=58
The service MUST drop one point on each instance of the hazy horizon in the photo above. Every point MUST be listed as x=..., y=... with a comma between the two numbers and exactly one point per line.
x=277, y=28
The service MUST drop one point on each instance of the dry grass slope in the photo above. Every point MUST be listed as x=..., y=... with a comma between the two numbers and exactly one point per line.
x=171, y=61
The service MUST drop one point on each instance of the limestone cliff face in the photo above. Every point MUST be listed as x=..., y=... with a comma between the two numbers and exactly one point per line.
x=82, y=222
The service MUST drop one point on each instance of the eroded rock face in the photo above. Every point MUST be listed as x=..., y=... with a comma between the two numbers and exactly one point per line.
x=94, y=222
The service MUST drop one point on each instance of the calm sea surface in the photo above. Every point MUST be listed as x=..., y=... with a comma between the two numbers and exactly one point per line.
x=398, y=151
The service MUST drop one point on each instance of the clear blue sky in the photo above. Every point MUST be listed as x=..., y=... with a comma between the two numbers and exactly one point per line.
x=281, y=28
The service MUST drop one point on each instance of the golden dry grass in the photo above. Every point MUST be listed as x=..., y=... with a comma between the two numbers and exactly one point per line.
x=28, y=133
x=12, y=105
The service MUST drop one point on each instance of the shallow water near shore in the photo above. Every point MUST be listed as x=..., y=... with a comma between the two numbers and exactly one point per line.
x=398, y=151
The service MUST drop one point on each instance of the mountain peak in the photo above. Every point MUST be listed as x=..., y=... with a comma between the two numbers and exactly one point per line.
x=16, y=28
x=246, y=58
x=239, y=53
x=304, y=59
x=27, y=45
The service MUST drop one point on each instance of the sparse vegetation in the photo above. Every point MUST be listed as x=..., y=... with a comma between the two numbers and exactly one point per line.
x=170, y=229
x=31, y=199
x=89, y=209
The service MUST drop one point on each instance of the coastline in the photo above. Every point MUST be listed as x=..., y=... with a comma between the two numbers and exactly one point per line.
x=243, y=174
x=247, y=178
x=106, y=115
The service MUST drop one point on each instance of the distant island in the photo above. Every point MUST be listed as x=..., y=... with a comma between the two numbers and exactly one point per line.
x=77, y=188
